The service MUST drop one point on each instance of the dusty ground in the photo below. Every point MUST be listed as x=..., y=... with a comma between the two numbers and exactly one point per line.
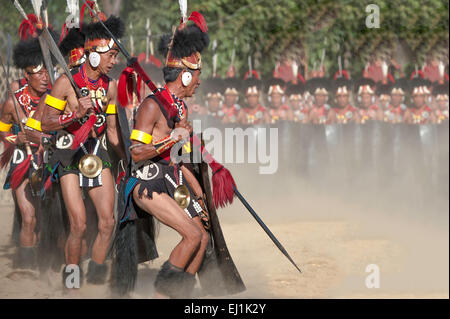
x=333, y=237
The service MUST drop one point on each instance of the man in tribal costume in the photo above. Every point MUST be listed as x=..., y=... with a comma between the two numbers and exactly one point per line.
x=440, y=93
x=230, y=106
x=155, y=178
x=345, y=111
x=395, y=111
x=277, y=109
x=365, y=94
x=213, y=96
x=26, y=163
x=419, y=111
x=253, y=112
x=294, y=93
x=81, y=158
x=321, y=112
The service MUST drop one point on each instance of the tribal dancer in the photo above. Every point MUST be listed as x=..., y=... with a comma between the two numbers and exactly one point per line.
x=54, y=221
x=295, y=92
x=419, y=112
x=396, y=109
x=321, y=112
x=156, y=180
x=365, y=92
x=80, y=160
x=345, y=112
x=440, y=93
x=277, y=110
x=213, y=91
x=25, y=168
x=230, y=106
x=253, y=113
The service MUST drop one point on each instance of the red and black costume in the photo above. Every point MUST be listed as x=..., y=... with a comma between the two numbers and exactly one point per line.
x=342, y=87
x=319, y=113
x=231, y=87
x=255, y=115
x=65, y=159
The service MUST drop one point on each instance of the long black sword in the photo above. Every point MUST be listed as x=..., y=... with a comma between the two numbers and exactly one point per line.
x=134, y=63
x=266, y=229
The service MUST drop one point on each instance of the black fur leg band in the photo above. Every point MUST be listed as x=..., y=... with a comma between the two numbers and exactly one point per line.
x=96, y=273
x=25, y=258
x=174, y=282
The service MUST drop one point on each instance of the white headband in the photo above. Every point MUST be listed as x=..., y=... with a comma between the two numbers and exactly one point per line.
x=252, y=90
x=365, y=89
x=275, y=88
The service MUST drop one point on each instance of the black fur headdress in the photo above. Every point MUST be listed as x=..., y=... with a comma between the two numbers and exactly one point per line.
x=318, y=84
x=295, y=89
x=251, y=83
x=189, y=40
x=273, y=82
x=342, y=82
x=364, y=83
x=27, y=53
x=232, y=84
x=185, y=42
x=73, y=40
x=213, y=86
x=96, y=31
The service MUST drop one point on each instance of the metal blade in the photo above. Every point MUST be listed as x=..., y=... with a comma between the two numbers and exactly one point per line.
x=47, y=59
x=59, y=57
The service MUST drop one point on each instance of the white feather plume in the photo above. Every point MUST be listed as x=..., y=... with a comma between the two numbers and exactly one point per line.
x=183, y=9
x=441, y=69
x=340, y=65
x=384, y=69
x=294, y=68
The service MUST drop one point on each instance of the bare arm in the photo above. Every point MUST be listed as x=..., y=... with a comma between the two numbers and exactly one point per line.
x=34, y=135
x=146, y=118
x=112, y=131
x=62, y=90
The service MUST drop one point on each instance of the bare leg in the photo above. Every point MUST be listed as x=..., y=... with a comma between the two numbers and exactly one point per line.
x=77, y=217
x=103, y=199
x=27, y=210
x=196, y=261
x=167, y=211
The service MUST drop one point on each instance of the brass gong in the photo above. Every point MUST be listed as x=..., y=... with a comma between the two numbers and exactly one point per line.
x=182, y=196
x=36, y=178
x=90, y=165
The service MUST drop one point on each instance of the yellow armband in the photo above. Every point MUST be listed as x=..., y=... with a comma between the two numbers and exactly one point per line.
x=111, y=109
x=55, y=102
x=141, y=137
x=187, y=148
x=34, y=124
x=5, y=127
